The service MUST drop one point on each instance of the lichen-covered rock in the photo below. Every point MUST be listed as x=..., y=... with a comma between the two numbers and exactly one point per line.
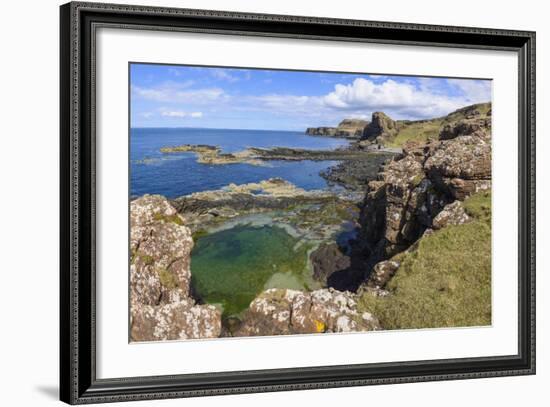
x=381, y=128
x=160, y=305
x=382, y=273
x=464, y=127
x=462, y=166
x=176, y=320
x=452, y=214
x=160, y=246
x=282, y=312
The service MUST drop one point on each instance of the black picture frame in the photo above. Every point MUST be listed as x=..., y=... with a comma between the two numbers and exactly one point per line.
x=78, y=382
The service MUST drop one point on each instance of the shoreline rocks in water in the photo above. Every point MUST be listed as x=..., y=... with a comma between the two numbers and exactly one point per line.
x=207, y=154
x=258, y=156
x=161, y=307
x=315, y=215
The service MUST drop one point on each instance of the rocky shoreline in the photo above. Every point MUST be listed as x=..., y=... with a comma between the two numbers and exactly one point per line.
x=368, y=240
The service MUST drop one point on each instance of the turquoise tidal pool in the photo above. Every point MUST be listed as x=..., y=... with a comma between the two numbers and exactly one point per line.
x=231, y=267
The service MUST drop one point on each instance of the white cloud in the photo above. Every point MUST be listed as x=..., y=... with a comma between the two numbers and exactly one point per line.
x=474, y=90
x=405, y=100
x=178, y=93
x=180, y=114
x=222, y=74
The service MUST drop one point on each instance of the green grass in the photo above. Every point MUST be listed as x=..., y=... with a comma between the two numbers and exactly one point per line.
x=420, y=131
x=446, y=281
x=416, y=131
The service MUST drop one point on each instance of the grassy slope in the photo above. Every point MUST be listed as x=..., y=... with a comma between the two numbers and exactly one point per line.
x=446, y=281
x=422, y=130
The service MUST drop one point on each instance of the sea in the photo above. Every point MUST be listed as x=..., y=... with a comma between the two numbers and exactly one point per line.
x=178, y=174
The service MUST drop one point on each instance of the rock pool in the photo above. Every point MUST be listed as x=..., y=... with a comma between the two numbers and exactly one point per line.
x=231, y=266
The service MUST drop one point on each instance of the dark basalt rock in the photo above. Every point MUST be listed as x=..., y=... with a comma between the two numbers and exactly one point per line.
x=327, y=259
x=355, y=174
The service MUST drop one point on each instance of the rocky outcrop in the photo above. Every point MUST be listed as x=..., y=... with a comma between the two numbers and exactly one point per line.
x=381, y=129
x=464, y=127
x=417, y=190
x=160, y=304
x=284, y=312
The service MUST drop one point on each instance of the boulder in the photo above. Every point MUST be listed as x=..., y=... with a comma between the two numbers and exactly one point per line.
x=451, y=214
x=283, y=312
x=160, y=304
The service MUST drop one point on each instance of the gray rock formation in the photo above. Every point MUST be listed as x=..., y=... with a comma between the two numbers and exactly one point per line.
x=452, y=214
x=283, y=312
x=160, y=305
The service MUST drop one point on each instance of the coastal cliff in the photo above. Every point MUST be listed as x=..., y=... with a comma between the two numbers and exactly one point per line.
x=347, y=128
x=416, y=253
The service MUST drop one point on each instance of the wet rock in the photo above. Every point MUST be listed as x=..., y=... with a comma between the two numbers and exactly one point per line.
x=283, y=312
x=160, y=305
x=355, y=174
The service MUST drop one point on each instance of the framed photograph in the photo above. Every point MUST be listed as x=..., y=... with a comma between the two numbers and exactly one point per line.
x=255, y=203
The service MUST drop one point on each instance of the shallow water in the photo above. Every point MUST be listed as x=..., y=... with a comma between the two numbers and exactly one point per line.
x=232, y=266
x=178, y=174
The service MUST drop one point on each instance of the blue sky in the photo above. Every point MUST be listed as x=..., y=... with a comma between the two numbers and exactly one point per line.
x=185, y=96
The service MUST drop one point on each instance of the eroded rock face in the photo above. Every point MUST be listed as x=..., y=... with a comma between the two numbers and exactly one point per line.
x=351, y=128
x=283, y=312
x=381, y=128
x=417, y=185
x=161, y=307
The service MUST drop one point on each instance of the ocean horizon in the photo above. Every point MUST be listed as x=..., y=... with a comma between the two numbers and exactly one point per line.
x=178, y=174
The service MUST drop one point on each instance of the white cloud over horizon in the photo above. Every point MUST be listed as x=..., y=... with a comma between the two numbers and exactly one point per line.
x=401, y=98
x=181, y=114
